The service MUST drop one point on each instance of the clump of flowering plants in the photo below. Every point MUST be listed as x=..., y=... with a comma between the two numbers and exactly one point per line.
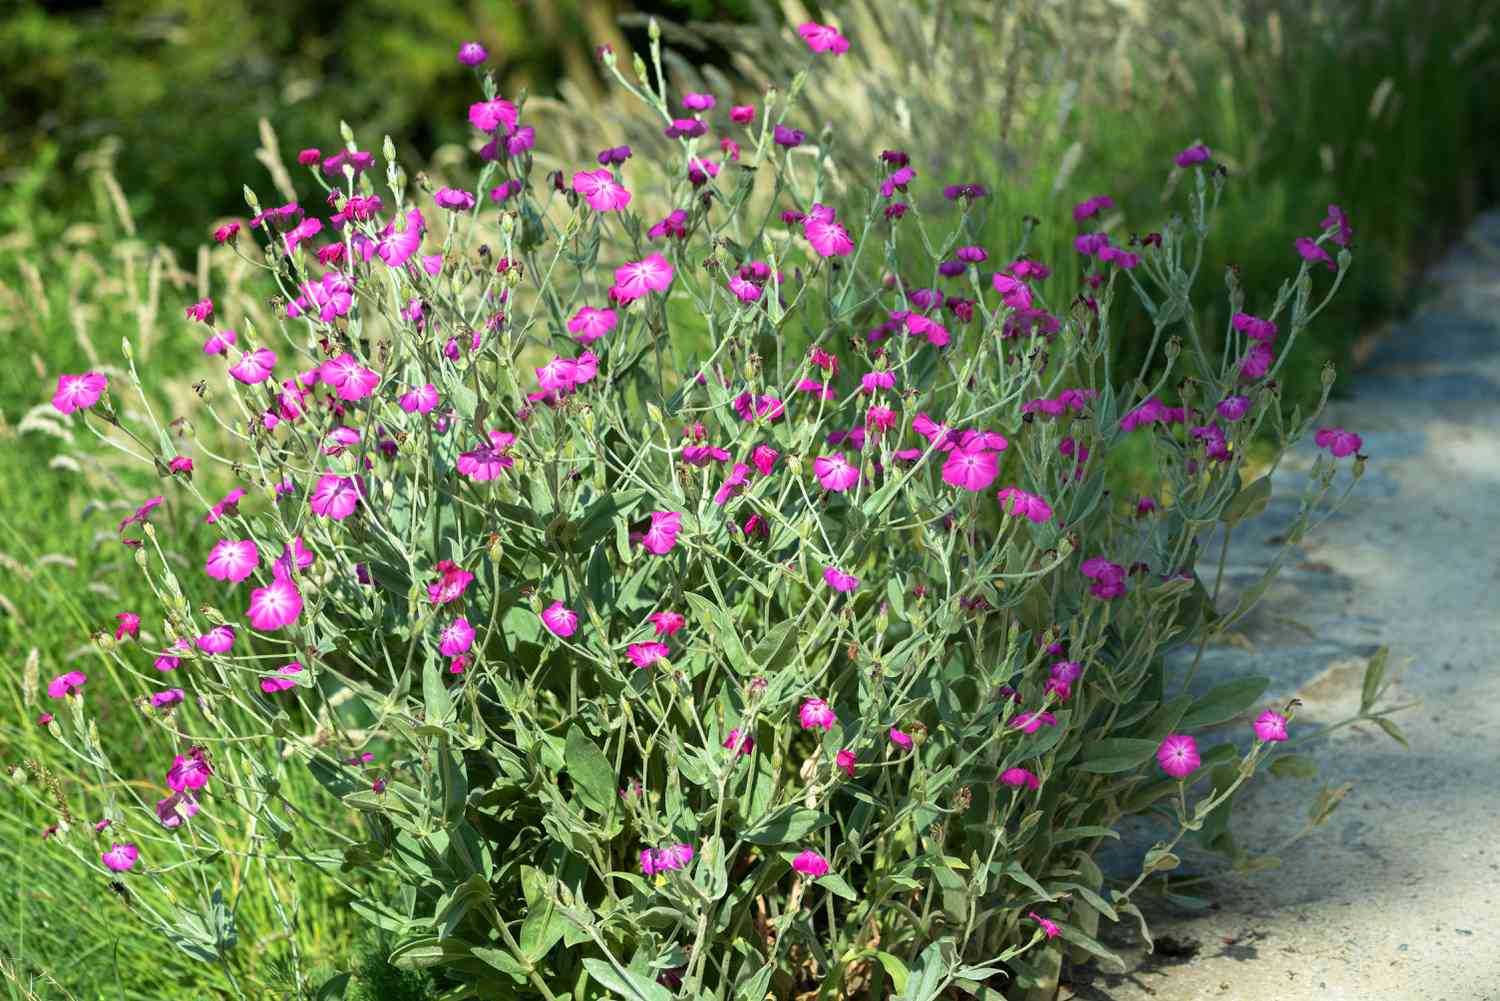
x=709, y=604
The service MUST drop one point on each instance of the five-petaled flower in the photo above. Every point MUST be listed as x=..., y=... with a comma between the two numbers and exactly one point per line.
x=1178, y=755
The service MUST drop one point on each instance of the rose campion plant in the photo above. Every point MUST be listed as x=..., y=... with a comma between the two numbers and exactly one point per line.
x=709, y=610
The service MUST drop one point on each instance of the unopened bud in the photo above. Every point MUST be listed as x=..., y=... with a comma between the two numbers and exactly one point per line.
x=653, y=30
x=640, y=68
x=346, y=131
x=388, y=148
x=251, y=200
x=1329, y=374
x=1174, y=346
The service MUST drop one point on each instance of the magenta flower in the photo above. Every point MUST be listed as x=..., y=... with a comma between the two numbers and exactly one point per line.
x=600, y=189
x=1092, y=206
x=674, y=224
x=1339, y=223
x=1338, y=441
x=685, y=128
x=232, y=560
x=348, y=377
x=1232, y=408
x=1049, y=928
x=835, y=473
x=453, y=580
x=1067, y=671
x=129, y=625
x=559, y=620
x=274, y=606
x=698, y=102
x=845, y=759
x=636, y=279
x=229, y=505
x=590, y=324
x=840, y=581
x=169, y=661
x=972, y=469
x=120, y=858
x=456, y=638
x=918, y=325
x=64, y=685
x=810, y=863
x=168, y=698
x=487, y=116
x=643, y=655
x=1197, y=153
x=826, y=235
x=1108, y=578
x=1018, y=778
x=191, y=772
x=1314, y=254
x=900, y=739
x=666, y=859
x=787, y=137
x=1270, y=727
x=1256, y=329
x=667, y=623
x=335, y=496
x=472, y=54
x=823, y=38
x=1031, y=722
x=176, y=808
x=453, y=199
x=420, y=400
x=226, y=233
x=743, y=290
x=1178, y=755
x=220, y=342
x=740, y=743
x=401, y=238
x=661, y=535
x=1019, y=504
x=484, y=464
x=1013, y=292
x=78, y=392
x=817, y=715
x=282, y=683
x=767, y=406
x=217, y=640
x=254, y=366
x=742, y=113
x=202, y=311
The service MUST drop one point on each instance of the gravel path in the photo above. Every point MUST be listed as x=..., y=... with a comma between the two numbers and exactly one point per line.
x=1397, y=898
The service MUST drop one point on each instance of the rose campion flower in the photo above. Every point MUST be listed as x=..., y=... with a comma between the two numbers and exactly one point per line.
x=666, y=859
x=1270, y=727
x=840, y=581
x=810, y=863
x=1339, y=223
x=202, y=311
x=600, y=189
x=1019, y=778
x=220, y=342
x=1178, y=755
x=1197, y=153
x=826, y=235
x=120, y=857
x=740, y=743
x=768, y=407
x=590, y=324
x=638, y=278
x=176, y=808
x=274, y=606
x=453, y=580
x=835, y=473
x=972, y=469
x=823, y=38
x=190, y=772
x=169, y=661
x=335, y=496
x=472, y=54
x=613, y=156
x=232, y=560
x=217, y=640
x=167, y=699
x=1049, y=928
x=742, y=113
x=284, y=681
x=349, y=378
x=1013, y=292
x=453, y=199
x=900, y=738
x=685, y=128
x=129, y=625
x=1232, y=408
x=764, y=459
x=817, y=715
x=484, y=464
x=661, y=536
x=667, y=623
x=1108, y=578
x=1339, y=442
x=78, y=392
x=456, y=638
x=226, y=233
x=487, y=116
x=560, y=620
x=1031, y=722
x=1314, y=254
x=254, y=366
x=845, y=760
x=421, y=400
x=643, y=655
x=64, y=685
x=401, y=238
x=1019, y=504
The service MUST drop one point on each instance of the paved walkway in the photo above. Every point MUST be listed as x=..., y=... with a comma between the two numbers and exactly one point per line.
x=1397, y=898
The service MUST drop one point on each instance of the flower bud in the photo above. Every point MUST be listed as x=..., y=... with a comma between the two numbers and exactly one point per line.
x=1329, y=374
x=640, y=68
x=653, y=30
x=251, y=200
x=1174, y=347
x=149, y=530
x=388, y=148
x=346, y=132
